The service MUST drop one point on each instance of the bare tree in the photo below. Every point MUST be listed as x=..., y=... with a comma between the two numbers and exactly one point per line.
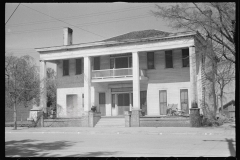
x=21, y=82
x=225, y=76
x=216, y=23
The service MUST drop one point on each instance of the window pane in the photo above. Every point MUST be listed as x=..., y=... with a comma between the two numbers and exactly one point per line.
x=96, y=63
x=78, y=66
x=168, y=59
x=185, y=57
x=150, y=60
x=65, y=67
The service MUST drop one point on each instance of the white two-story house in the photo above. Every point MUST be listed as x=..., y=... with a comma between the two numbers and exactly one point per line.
x=145, y=70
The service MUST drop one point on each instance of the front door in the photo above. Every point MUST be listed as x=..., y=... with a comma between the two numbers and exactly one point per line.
x=163, y=102
x=123, y=103
x=184, y=100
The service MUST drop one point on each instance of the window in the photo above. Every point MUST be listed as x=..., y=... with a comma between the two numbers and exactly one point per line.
x=185, y=57
x=150, y=60
x=121, y=62
x=163, y=102
x=101, y=98
x=168, y=59
x=65, y=67
x=184, y=100
x=96, y=65
x=78, y=66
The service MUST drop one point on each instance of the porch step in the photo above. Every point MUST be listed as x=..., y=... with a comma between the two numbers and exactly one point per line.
x=110, y=122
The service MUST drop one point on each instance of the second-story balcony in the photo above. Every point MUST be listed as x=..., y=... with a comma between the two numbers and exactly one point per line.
x=115, y=74
x=112, y=73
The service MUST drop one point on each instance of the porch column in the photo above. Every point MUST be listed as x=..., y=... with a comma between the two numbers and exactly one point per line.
x=87, y=117
x=43, y=91
x=194, y=110
x=193, y=77
x=87, y=84
x=136, y=91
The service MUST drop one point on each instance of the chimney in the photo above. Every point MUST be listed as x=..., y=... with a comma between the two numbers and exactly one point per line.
x=67, y=36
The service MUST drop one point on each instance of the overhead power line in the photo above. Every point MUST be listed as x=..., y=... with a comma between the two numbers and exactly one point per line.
x=83, y=24
x=80, y=16
x=63, y=21
x=12, y=13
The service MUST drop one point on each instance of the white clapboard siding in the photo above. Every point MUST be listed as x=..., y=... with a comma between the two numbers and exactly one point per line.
x=173, y=95
x=62, y=100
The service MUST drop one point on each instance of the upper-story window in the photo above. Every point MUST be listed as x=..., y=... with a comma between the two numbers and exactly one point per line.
x=65, y=67
x=79, y=66
x=185, y=57
x=121, y=61
x=150, y=60
x=168, y=59
x=96, y=63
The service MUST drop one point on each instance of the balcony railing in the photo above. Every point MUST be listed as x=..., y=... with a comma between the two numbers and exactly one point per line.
x=116, y=73
x=112, y=73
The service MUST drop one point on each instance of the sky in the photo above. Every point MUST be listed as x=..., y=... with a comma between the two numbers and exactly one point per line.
x=37, y=25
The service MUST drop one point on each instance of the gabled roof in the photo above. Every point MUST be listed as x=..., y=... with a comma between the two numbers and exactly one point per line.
x=139, y=35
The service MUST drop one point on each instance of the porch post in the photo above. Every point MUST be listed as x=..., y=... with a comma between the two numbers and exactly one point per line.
x=194, y=110
x=193, y=77
x=43, y=91
x=87, y=91
x=136, y=91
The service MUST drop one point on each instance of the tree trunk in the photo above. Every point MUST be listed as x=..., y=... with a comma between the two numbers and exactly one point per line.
x=214, y=96
x=221, y=101
x=15, y=116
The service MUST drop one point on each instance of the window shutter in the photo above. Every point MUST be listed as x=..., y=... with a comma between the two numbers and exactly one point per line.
x=150, y=60
x=78, y=66
x=65, y=67
x=185, y=57
x=96, y=65
x=168, y=59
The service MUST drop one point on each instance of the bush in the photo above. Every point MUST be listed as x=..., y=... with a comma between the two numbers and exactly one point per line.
x=214, y=121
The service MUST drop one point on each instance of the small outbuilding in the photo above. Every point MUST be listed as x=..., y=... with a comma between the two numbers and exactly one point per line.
x=229, y=109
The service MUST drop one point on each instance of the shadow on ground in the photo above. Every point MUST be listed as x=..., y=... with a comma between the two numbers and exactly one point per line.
x=230, y=145
x=32, y=148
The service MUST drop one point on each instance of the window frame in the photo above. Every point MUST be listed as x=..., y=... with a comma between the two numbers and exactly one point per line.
x=167, y=54
x=66, y=70
x=150, y=60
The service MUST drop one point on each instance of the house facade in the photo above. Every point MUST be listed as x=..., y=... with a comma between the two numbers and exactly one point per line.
x=144, y=70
